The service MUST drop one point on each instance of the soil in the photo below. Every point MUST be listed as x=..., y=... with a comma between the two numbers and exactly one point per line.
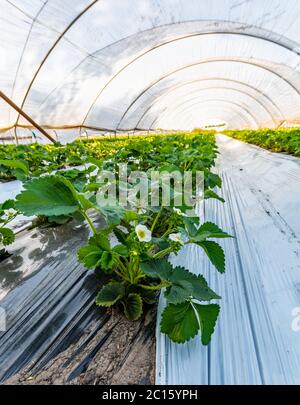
x=117, y=352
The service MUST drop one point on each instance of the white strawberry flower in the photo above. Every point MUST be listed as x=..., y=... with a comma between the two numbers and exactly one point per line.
x=179, y=212
x=176, y=237
x=8, y=214
x=143, y=233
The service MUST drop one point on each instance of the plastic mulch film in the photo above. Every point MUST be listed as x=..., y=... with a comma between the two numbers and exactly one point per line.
x=47, y=297
x=256, y=339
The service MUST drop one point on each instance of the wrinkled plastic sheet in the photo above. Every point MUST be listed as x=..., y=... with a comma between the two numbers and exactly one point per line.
x=47, y=296
x=254, y=341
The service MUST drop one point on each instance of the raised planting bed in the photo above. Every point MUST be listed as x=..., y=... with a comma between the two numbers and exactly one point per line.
x=55, y=332
x=285, y=140
x=126, y=246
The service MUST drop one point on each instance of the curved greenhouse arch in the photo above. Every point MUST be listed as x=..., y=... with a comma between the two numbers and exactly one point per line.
x=239, y=119
x=176, y=110
x=195, y=95
x=241, y=84
x=177, y=39
x=67, y=69
x=252, y=63
x=264, y=64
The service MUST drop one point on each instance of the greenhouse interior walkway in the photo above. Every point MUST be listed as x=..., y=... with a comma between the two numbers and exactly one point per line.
x=254, y=342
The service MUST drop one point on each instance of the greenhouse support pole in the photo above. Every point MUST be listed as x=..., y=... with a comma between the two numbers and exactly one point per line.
x=21, y=112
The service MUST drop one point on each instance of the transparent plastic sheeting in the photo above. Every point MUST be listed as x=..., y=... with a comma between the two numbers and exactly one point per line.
x=127, y=64
x=256, y=340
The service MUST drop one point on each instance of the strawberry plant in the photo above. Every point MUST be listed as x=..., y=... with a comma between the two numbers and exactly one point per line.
x=7, y=236
x=35, y=159
x=279, y=140
x=133, y=248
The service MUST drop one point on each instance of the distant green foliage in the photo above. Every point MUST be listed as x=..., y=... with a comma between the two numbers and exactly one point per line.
x=8, y=213
x=279, y=140
x=18, y=161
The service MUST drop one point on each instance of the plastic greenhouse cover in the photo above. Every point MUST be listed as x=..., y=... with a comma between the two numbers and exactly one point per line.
x=69, y=64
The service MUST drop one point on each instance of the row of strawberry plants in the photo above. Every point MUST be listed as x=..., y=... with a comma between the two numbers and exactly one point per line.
x=23, y=161
x=134, y=246
x=280, y=140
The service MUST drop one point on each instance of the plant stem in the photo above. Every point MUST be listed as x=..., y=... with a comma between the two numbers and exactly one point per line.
x=162, y=253
x=121, y=265
x=167, y=232
x=130, y=267
x=156, y=219
x=163, y=284
x=121, y=275
x=89, y=221
x=189, y=164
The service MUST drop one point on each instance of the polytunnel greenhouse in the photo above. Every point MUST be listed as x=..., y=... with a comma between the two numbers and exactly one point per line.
x=150, y=192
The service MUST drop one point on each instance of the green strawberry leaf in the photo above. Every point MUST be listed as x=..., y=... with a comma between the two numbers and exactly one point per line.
x=84, y=202
x=179, y=292
x=101, y=240
x=215, y=254
x=211, y=194
x=110, y=294
x=16, y=164
x=208, y=315
x=190, y=225
x=95, y=162
x=92, y=255
x=184, y=283
x=170, y=169
x=201, y=290
x=209, y=230
x=121, y=250
x=213, y=180
x=121, y=236
x=8, y=204
x=157, y=268
x=7, y=236
x=133, y=306
x=107, y=260
x=89, y=255
x=149, y=296
x=113, y=214
x=182, y=322
x=60, y=220
x=47, y=196
x=131, y=216
x=179, y=322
